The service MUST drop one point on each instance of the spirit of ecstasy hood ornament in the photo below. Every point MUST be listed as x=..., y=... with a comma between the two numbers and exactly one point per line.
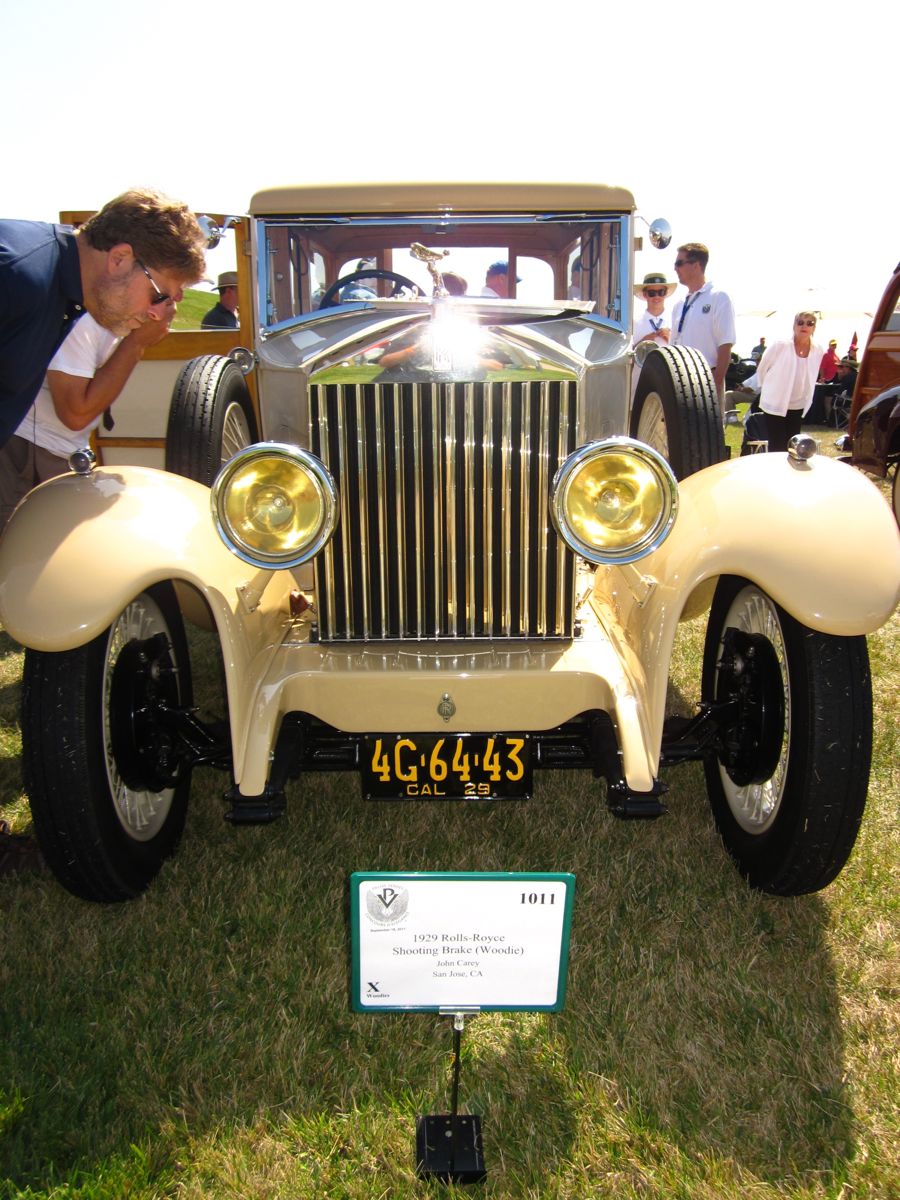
x=429, y=258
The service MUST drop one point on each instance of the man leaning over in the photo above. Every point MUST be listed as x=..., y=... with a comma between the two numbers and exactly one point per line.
x=85, y=376
x=126, y=266
x=704, y=319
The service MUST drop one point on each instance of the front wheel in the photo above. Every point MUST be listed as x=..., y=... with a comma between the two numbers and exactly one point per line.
x=676, y=410
x=108, y=794
x=788, y=784
x=210, y=418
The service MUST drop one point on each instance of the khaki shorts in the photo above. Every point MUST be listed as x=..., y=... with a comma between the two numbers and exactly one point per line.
x=23, y=465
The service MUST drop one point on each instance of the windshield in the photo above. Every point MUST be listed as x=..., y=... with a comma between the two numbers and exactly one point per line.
x=310, y=264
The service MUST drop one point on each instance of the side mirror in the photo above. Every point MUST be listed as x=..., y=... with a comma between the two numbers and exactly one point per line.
x=660, y=233
x=214, y=232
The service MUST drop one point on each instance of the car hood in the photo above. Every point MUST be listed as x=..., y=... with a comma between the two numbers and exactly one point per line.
x=447, y=339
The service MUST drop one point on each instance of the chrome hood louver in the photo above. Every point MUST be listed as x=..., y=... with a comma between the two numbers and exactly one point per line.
x=444, y=529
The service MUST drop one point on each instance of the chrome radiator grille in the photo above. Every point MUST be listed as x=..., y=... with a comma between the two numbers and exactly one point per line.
x=444, y=530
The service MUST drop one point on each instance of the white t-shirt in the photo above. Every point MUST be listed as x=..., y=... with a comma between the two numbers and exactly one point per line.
x=707, y=324
x=647, y=323
x=86, y=349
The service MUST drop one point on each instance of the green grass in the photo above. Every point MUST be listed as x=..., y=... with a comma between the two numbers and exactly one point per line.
x=199, y=1042
x=193, y=308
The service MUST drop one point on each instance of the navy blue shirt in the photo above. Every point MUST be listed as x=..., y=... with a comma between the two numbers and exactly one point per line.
x=40, y=299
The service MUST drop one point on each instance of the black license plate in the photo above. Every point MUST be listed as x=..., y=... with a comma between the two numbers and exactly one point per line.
x=454, y=767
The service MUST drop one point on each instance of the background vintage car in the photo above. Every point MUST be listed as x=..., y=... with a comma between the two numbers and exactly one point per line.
x=873, y=437
x=458, y=554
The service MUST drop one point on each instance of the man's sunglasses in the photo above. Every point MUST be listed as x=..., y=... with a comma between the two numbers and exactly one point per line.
x=161, y=297
x=654, y=291
x=679, y=262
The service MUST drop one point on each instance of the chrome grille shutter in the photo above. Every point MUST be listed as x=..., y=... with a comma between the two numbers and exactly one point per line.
x=445, y=529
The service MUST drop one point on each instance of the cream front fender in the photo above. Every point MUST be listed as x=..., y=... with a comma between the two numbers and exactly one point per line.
x=79, y=548
x=817, y=537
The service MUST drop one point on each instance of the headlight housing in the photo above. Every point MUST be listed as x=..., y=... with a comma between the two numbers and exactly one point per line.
x=614, y=501
x=274, y=505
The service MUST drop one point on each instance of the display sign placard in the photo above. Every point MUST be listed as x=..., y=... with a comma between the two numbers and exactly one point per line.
x=472, y=940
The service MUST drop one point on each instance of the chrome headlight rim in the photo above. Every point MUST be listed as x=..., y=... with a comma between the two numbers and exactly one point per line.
x=654, y=536
x=325, y=487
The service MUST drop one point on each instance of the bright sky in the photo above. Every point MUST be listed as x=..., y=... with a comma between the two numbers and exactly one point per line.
x=764, y=131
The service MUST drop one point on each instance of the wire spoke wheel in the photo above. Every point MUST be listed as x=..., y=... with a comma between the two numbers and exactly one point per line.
x=138, y=674
x=754, y=790
x=235, y=432
x=651, y=426
x=108, y=790
x=788, y=781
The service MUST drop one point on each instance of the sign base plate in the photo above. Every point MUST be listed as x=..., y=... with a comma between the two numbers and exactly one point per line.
x=449, y=1148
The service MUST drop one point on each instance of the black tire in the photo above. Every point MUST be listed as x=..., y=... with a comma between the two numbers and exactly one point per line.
x=88, y=719
x=210, y=418
x=676, y=410
x=788, y=787
x=895, y=493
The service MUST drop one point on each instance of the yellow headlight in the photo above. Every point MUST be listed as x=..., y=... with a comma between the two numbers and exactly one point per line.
x=614, y=501
x=275, y=506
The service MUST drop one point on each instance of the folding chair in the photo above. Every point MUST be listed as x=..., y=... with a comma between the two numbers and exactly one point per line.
x=840, y=410
x=755, y=439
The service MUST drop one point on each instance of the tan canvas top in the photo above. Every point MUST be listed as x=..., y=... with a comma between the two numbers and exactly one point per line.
x=431, y=197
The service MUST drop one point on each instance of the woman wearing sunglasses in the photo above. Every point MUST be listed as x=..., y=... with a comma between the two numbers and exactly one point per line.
x=654, y=324
x=786, y=377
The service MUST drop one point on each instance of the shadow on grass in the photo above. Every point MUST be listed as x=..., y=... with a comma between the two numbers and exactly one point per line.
x=701, y=1025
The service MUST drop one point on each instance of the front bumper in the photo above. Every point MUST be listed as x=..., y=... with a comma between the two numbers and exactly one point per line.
x=456, y=687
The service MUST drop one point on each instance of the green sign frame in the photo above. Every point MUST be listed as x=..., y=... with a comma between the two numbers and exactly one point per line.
x=460, y=941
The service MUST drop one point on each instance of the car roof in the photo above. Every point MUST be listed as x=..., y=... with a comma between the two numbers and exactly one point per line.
x=373, y=198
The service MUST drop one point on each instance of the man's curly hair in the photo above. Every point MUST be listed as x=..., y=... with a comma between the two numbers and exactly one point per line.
x=162, y=232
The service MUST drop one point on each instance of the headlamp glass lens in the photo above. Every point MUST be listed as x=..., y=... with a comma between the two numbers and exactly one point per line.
x=275, y=505
x=613, y=501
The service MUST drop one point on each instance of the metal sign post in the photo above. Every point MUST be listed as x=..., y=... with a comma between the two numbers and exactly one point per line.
x=458, y=943
x=448, y=1145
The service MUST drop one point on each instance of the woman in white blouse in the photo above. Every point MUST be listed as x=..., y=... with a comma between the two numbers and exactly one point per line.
x=786, y=377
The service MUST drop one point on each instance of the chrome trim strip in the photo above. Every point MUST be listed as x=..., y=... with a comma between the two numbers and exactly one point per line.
x=382, y=500
x=319, y=442
x=450, y=458
x=506, y=492
x=567, y=400
x=437, y=524
x=400, y=502
x=472, y=567
x=363, y=518
x=540, y=485
x=524, y=516
x=419, y=512
x=345, y=517
x=487, y=510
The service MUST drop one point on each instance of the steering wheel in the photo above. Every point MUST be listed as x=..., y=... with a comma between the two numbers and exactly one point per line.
x=400, y=281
